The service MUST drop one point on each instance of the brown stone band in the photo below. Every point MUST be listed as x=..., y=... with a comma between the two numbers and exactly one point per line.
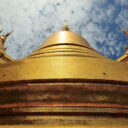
x=63, y=93
x=62, y=96
x=66, y=80
x=64, y=105
x=96, y=114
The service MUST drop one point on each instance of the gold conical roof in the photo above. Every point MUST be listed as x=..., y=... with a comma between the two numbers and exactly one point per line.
x=62, y=39
x=64, y=55
x=65, y=36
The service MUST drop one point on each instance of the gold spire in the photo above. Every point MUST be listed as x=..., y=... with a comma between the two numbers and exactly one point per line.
x=65, y=27
x=126, y=49
x=65, y=36
x=6, y=35
x=125, y=31
x=3, y=56
x=3, y=39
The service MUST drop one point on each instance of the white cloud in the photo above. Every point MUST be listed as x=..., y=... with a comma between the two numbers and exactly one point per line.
x=122, y=18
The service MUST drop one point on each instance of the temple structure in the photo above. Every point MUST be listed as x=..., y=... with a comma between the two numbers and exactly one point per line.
x=64, y=83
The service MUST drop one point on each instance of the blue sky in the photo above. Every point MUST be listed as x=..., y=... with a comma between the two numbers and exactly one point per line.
x=98, y=21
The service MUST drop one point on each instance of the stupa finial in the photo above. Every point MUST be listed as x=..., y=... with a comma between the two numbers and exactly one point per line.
x=65, y=27
x=3, y=39
x=124, y=31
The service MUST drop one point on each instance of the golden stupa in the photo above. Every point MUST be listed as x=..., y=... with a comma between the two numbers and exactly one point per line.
x=64, y=83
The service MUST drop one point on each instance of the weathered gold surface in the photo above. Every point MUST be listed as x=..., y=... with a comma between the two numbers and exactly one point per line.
x=67, y=122
x=63, y=104
x=67, y=126
x=47, y=96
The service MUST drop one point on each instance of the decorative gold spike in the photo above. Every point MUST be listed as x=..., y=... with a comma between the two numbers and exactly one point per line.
x=6, y=35
x=65, y=28
x=125, y=31
x=3, y=39
x=126, y=49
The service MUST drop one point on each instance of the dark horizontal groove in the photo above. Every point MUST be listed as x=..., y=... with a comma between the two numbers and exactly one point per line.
x=66, y=80
x=65, y=44
x=58, y=52
x=97, y=114
x=62, y=55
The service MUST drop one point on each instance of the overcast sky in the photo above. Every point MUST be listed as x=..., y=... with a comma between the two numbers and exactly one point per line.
x=98, y=21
